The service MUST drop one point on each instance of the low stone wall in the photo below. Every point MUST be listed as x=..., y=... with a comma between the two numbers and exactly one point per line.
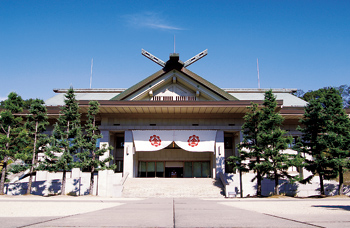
x=77, y=183
x=285, y=187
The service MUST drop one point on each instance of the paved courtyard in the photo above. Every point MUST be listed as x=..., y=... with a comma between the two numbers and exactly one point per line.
x=86, y=211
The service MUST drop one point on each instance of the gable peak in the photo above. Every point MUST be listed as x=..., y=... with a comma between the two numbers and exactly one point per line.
x=174, y=61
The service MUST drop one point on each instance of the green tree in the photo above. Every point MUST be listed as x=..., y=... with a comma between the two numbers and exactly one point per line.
x=273, y=140
x=12, y=133
x=65, y=140
x=337, y=138
x=345, y=94
x=313, y=141
x=314, y=94
x=35, y=125
x=250, y=149
x=90, y=153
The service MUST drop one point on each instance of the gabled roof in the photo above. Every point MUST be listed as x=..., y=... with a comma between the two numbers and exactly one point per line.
x=183, y=70
x=173, y=71
x=139, y=85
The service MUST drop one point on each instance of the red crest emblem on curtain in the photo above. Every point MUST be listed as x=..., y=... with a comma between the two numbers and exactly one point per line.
x=155, y=140
x=193, y=140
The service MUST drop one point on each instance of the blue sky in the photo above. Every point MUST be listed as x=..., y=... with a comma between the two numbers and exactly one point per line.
x=50, y=44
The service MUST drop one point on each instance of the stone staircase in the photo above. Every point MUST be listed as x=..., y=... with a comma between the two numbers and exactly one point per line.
x=173, y=188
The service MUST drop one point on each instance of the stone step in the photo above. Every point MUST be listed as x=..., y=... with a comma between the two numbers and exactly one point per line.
x=173, y=187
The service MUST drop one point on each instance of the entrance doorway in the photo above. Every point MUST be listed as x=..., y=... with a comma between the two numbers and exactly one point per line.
x=187, y=169
x=197, y=169
x=174, y=172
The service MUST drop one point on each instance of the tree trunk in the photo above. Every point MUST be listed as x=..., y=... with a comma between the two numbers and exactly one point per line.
x=341, y=181
x=4, y=167
x=3, y=176
x=91, y=189
x=258, y=190
x=321, y=183
x=30, y=180
x=240, y=183
x=277, y=191
x=33, y=161
x=63, y=188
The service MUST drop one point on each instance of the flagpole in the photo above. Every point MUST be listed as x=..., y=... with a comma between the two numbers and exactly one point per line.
x=92, y=63
x=257, y=63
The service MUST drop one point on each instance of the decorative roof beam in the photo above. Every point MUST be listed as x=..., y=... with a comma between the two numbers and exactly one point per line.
x=196, y=58
x=153, y=58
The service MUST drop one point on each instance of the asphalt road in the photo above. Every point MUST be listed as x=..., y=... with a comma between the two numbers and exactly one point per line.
x=86, y=211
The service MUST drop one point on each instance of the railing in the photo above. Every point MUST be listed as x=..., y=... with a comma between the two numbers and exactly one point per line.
x=173, y=98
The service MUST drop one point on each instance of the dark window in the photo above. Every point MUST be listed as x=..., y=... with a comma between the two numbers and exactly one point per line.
x=119, y=164
x=120, y=142
x=228, y=142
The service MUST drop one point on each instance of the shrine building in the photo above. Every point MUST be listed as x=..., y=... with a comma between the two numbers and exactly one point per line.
x=174, y=122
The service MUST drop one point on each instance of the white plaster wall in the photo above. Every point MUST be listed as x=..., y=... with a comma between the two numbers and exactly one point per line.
x=46, y=183
x=128, y=154
x=220, y=154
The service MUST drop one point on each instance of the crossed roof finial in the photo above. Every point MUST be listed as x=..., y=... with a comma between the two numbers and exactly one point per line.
x=185, y=64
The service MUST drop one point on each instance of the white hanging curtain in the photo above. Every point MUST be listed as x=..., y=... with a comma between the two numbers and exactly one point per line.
x=190, y=140
x=152, y=140
x=196, y=141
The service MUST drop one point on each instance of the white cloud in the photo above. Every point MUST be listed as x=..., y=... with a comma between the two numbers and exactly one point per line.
x=3, y=98
x=149, y=20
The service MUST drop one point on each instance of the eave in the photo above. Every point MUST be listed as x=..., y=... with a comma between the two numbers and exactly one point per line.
x=147, y=108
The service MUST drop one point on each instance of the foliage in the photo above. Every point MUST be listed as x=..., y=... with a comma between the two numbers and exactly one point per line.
x=314, y=94
x=250, y=149
x=325, y=135
x=263, y=143
x=12, y=133
x=345, y=94
x=35, y=126
x=65, y=140
x=273, y=141
x=337, y=138
x=90, y=153
x=26, y=103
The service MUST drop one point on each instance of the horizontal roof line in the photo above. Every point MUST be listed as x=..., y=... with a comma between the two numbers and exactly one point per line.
x=90, y=90
x=241, y=103
x=228, y=90
x=255, y=90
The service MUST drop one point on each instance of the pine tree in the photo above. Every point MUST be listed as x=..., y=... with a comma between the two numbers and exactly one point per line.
x=250, y=149
x=338, y=134
x=273, y=141
x=90, y=153
x=66, y=139
x=12, y=133
x=36, y=125
x=314, y=141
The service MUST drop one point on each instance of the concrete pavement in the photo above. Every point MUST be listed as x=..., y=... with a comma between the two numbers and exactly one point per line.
x=87, y=211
